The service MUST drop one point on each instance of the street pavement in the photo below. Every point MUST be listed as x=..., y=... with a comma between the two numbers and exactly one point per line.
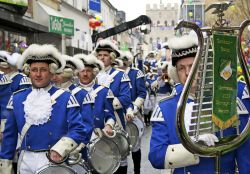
x=146, y=167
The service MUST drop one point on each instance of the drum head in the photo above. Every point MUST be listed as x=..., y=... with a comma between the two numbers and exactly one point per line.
x=103, y=155
x=133, y=133
x=81, y=168
x=140, y=125
x=123, y=142
x=55, y=169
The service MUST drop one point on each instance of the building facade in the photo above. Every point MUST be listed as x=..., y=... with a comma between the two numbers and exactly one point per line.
x=164, y=18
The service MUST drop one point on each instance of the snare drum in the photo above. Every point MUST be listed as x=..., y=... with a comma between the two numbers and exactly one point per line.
x=81, y=168
x=123, y=142
x=135, y=130
x=56, y=169
x=103, y=155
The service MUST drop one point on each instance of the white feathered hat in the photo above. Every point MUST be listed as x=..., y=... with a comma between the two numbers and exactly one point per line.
x=162, y=64
x=107, y=45
x=117, y=63
x=72, y=67
x=182, y=47
x=42, y=53
x=126, y=56
x=5, y=57
x=90, y=60
x=15, y=57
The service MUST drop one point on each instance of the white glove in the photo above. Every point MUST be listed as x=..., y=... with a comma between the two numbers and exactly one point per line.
x=136, y=109
x=154, y=85
x=208, y=139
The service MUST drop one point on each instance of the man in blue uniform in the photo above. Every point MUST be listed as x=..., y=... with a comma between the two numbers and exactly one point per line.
x=138, y=95
x=64, y=80
x=18, y=81
x=164, y=136
x=35, y=112
x=117, y=81
x=103, y=112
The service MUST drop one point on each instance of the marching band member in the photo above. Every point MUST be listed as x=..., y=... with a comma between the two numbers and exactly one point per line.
x=138, y=95
x=46, y=118
x=18, y=81
x=163, y=84
x=118, y=82
x=4, y=88
x=64, y=80
x=103, y=112
x=164, y=136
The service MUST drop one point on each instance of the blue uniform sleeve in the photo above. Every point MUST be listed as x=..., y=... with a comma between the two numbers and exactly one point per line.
x=158, y=144
x=140, y=86
x=10, y=136
x=140, y=64
x=159, y=139
x=109, y=110
x=124, y=94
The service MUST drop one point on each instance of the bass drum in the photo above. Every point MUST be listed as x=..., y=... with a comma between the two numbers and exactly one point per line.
x=123, y=142
x=56, y=169
x=103, y=155
x=135, y=130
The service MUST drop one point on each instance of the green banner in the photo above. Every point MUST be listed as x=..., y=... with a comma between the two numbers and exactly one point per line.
x=16, y=2
x=225, y=80
x=61, y=25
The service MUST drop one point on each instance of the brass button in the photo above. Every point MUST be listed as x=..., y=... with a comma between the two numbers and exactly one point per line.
x=29, y=147
x=50, y=133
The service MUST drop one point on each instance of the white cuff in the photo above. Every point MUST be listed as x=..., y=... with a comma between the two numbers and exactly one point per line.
x=6, y=166
x=178, y=156
x=139, y=102
x=117, y=104
x=64, y=146
x=78, y=149
x=110, y=122
x=130, y=112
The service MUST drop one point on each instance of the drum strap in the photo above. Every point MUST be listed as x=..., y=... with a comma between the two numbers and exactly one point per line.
x=75, y=90
x=27, y=125
x=94, y=92
x=118, y=120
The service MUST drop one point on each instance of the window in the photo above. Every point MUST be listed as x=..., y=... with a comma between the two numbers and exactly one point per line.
x=173, y=23
x=166, y=23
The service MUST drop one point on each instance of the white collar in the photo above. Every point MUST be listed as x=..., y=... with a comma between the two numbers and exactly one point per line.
x=47, y=88
x=89, y=86
x=66, y=85
x=108, y=69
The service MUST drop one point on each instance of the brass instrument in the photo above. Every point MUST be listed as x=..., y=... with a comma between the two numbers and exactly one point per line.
x=202, y=67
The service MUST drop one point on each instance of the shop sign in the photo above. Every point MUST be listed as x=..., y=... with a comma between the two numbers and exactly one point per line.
x=61, y=25
x=16, y=2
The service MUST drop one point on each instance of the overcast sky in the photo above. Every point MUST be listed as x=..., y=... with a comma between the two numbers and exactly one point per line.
x=135, y=8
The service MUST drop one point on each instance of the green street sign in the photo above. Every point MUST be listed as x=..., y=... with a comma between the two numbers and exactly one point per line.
x=61, y=25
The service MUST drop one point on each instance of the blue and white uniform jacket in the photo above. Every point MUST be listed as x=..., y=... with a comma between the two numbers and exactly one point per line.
x=4, y=89
x=164, y=134
x=103, y=110
x=65, y=121
x=243, y=153
x=118, y=82
x=86, y=106
x=18, y=81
